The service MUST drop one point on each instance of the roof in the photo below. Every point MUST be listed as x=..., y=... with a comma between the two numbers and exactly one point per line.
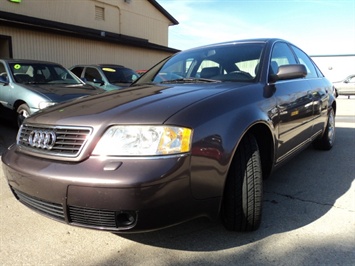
x=27, y=61
x=241, y=41
x=99, y=65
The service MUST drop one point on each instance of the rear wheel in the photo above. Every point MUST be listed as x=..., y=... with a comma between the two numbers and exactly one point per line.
x=23, y=111
x=242, y=200
x=326, y=142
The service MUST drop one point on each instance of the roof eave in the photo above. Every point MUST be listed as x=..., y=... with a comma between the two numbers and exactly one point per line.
x=42, y=25
x=164, y=12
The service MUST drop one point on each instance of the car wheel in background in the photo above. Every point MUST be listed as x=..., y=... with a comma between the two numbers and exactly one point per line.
x=328, y=138
x=242, y=200
x=23, y=111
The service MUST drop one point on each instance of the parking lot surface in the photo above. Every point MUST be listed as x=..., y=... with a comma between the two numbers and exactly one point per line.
x=308, y=219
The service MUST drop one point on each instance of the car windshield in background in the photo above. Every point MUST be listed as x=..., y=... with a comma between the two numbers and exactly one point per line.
x=39, y=73
x=233, y=63
x=119, y=75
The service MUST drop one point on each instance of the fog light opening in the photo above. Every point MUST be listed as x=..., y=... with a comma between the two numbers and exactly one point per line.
x=124, y=219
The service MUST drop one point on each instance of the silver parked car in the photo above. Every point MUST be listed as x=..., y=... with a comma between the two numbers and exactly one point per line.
x=105, y=76
x=346, y=86
x=28, y=86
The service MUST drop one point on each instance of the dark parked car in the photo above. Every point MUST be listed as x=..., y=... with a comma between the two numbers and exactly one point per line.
x=106, y=76
x=27, y=86
x=194, y=136
x=345, y=86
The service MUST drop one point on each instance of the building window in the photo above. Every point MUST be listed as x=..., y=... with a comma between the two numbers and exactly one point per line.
x=99, y=13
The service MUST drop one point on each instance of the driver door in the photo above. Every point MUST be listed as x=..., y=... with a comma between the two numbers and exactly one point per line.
x=294, y=103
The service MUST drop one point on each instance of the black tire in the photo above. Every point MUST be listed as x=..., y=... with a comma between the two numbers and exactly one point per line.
x=326, y=142
x=22, y=111
x=243, y=193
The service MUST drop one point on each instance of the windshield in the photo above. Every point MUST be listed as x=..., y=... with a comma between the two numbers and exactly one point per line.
x=224, y=63
x=41, y=73
x=119, y=74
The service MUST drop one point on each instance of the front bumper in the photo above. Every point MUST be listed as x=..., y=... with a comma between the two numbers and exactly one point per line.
x=112, y=194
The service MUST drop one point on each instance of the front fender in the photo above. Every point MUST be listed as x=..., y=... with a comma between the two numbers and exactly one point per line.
x=218, y=129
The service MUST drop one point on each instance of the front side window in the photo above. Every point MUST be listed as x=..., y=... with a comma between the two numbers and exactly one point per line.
x=281, y=55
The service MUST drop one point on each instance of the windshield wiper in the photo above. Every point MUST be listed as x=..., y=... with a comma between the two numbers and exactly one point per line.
x=190, y=80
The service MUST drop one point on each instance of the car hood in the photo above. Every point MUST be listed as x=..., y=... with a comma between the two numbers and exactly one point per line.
x=145, y=104
x=62, y=92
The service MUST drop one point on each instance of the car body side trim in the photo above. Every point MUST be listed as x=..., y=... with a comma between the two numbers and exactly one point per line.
x=298, y=148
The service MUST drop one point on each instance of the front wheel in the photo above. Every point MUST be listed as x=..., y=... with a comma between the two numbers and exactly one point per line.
x=23, y=111
x=326, y=142
x=242, y=200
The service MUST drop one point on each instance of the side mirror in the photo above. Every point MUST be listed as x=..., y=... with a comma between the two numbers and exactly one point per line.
x=286, y=72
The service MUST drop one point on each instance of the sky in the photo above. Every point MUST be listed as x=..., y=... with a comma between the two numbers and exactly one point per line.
x=319, y=27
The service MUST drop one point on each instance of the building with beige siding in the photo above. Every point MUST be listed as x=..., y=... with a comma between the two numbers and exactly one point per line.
x=133, y=33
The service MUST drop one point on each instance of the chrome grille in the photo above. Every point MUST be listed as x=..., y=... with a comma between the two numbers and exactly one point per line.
x=68, y=143
x=92, y=217
x=53, y=210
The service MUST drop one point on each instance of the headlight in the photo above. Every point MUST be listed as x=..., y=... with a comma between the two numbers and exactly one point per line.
x=144, y=140
x=43, y=105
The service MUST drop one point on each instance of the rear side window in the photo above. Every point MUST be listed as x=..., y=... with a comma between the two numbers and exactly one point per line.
x=306, y=61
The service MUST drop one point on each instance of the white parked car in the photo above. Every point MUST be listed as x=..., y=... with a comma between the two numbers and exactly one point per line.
x=346, y=86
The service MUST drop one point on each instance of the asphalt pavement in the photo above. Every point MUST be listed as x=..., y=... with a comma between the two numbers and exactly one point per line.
x=308, y=219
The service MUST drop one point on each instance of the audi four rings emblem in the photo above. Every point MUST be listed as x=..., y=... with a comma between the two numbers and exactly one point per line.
x=42, y=139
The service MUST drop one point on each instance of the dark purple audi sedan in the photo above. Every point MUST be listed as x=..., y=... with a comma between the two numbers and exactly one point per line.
x=195, y=136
